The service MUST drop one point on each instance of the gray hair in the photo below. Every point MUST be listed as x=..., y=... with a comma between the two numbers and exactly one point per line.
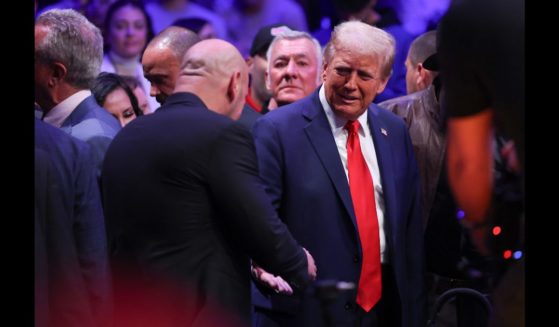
x=73, y=41
x=363, y=39
x=295, y=35
x=422, y=47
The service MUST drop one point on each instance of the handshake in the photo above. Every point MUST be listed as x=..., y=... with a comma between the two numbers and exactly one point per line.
x=278, y=284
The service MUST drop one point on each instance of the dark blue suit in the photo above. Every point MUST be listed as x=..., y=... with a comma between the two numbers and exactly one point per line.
x=73, y=230
x=301, y=167
x=91, y=123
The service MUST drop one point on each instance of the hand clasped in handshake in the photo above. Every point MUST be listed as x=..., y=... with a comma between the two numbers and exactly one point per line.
x=278, y=284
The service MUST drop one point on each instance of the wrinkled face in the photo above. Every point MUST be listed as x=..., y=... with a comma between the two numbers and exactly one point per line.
x=118, y=104
x=293, y=70
x=127, y=33
x=257, y=68
x=161, y=68
x=142, y=100
x=411, y=77
x=351, y=82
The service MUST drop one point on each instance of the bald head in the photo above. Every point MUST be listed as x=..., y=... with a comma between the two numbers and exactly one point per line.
x=216, y=72
x=162, y=59
x=177, y=39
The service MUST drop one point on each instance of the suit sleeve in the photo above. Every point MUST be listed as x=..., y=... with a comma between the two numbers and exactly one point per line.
x=90, y=234
x=235, y=183
x=415, y=260
x=99, y=145
x=61, y=298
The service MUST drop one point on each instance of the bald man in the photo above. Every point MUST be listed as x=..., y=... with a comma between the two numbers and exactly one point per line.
x=162, y=59
x=199, y=212
x=218, y=75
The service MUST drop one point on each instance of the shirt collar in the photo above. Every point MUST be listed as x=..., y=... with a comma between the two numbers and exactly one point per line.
x=337, y=123
x=59, y=113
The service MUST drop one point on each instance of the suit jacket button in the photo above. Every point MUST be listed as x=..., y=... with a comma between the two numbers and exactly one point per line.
x=356, y=258
x=347, y=306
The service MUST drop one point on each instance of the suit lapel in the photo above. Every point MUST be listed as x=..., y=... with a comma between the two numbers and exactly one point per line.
x=320, y=136
x=381, y=139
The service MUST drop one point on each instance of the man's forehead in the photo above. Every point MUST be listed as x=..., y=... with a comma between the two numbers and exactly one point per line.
x=300, y=47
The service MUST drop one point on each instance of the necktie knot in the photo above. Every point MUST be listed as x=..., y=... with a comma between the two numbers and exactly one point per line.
x=352, y=126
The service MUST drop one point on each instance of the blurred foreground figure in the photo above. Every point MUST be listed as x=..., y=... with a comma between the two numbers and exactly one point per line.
x=481, y=53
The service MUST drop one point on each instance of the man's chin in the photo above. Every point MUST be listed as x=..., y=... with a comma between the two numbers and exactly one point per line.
x=348, y=111
x=289, y=97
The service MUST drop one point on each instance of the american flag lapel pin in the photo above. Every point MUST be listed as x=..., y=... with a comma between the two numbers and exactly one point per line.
x=383, y=132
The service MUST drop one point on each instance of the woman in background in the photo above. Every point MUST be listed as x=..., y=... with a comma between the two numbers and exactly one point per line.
x=127, y=30
x=112, y=93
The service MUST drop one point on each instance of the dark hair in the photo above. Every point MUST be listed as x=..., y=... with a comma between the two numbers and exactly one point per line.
x=194, y=24
x=106, y=83
x=123, y=3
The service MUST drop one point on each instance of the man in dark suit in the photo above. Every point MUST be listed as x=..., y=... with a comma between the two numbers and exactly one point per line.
x=354, y=229
x=196, y=211
x=68, y=55
x=70, y=232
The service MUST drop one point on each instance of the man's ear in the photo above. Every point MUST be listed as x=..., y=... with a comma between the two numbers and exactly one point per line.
x=424, y=77
x=382, y=85
x=324, y=66
x=59, y=72
x=234, y=87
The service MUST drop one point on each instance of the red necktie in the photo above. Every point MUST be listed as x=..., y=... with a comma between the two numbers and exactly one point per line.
x=363, y=197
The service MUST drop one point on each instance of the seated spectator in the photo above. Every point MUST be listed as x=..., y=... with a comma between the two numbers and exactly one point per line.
x=127, y=30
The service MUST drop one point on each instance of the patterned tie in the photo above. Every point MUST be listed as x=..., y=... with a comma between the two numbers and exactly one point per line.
x=363, y=197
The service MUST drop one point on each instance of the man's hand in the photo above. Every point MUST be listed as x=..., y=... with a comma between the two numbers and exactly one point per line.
x=311, y=265
x=278, y=284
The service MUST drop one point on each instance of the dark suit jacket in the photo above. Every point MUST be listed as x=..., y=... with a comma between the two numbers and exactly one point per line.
x=301, y=167
x=70, y=219
x=248, y=117
x=91, y=123
x=184, y=203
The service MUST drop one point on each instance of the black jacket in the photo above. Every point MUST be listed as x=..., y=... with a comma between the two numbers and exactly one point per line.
x=184, y=205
